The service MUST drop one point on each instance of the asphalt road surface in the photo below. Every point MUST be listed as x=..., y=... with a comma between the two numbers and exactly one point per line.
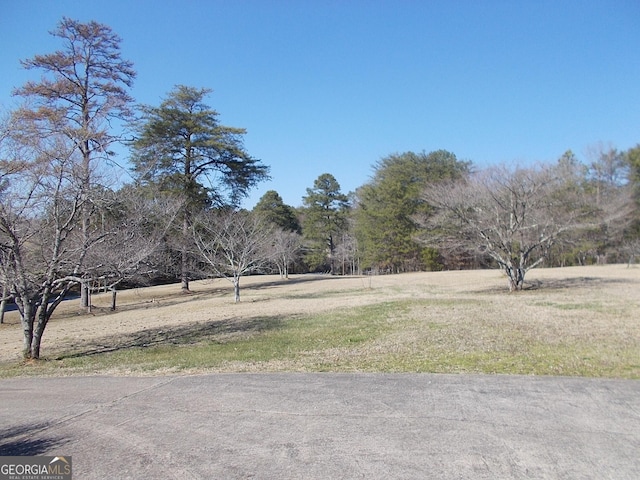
x=327, y=426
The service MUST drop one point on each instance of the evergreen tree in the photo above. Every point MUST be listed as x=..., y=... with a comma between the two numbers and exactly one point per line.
x=181, y=146
x=325, y=217
x=387, y=207
x=273, y=209
x=631, y=241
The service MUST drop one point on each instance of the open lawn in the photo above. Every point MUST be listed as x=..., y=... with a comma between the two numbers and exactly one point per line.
x=581, y=321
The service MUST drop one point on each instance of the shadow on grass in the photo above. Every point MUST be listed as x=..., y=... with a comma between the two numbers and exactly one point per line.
x=206, y=291
x=165, y=300
x=190, y=334
x=306, y=278
x=573, y=282
x=560, y=284
x=28, y=440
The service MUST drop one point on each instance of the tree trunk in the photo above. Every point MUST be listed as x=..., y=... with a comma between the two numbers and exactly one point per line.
x=236, y=288
x=36, y=340
x=331, y=258
x=88, y=296
x=84, y=295
x=3, y=303
x=27, y=318
x=85, y=178
x=113, y=299
x=184, y=268
x=516, y=278
x=43, y=314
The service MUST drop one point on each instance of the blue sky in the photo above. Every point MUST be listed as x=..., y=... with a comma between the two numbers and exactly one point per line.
x=334, y=86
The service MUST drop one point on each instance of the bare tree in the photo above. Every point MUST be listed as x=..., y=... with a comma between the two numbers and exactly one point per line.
x=43, y=250
x=134, y=224
x=513, y=215
x=286, y=248
x=233, y=244
x=631, y=249
x=347, y=253
x=3, y=302
x=608, y=177
x=84, y=88
x=40, y=203
x=4, y=170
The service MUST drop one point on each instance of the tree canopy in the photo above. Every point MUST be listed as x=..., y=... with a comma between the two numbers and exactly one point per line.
x=84, y=88
x=234, y=243
x=386, y=207
x=513, y=215
x=325, y=216
x=273, y=209
x=182, y=147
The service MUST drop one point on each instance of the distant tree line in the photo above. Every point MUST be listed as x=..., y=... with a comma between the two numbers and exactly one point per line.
x=67, y=224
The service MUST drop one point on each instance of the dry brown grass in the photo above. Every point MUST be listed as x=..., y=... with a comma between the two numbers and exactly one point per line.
x=576, y=321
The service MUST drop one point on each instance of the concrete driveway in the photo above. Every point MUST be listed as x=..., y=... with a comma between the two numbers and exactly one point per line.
x=327, y=426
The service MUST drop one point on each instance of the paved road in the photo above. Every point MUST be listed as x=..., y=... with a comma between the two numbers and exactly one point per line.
x=327, y=426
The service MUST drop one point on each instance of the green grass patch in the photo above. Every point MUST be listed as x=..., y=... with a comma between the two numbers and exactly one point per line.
x=461, y=335
x=243, y=345
x=588, y=306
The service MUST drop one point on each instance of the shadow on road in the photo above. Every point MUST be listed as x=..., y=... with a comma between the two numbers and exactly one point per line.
x=27, y=440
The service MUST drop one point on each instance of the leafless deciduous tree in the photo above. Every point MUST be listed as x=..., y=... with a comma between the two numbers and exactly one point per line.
x=83, y=89
x=513, y=215
x=40, y=201
x=286, y=248
x=3, y=302
x=4, y=170
x=133, y=226
x=233, y=244
x=347, y=254
x=631, y=249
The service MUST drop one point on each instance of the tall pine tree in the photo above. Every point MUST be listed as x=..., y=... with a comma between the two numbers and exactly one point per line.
x=182, y=146
x=325, y=217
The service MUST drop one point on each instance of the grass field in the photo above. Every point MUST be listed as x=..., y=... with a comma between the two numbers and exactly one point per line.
x=578, y=321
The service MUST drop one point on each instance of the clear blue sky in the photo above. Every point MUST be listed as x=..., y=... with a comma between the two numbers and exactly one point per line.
x=335, y=85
